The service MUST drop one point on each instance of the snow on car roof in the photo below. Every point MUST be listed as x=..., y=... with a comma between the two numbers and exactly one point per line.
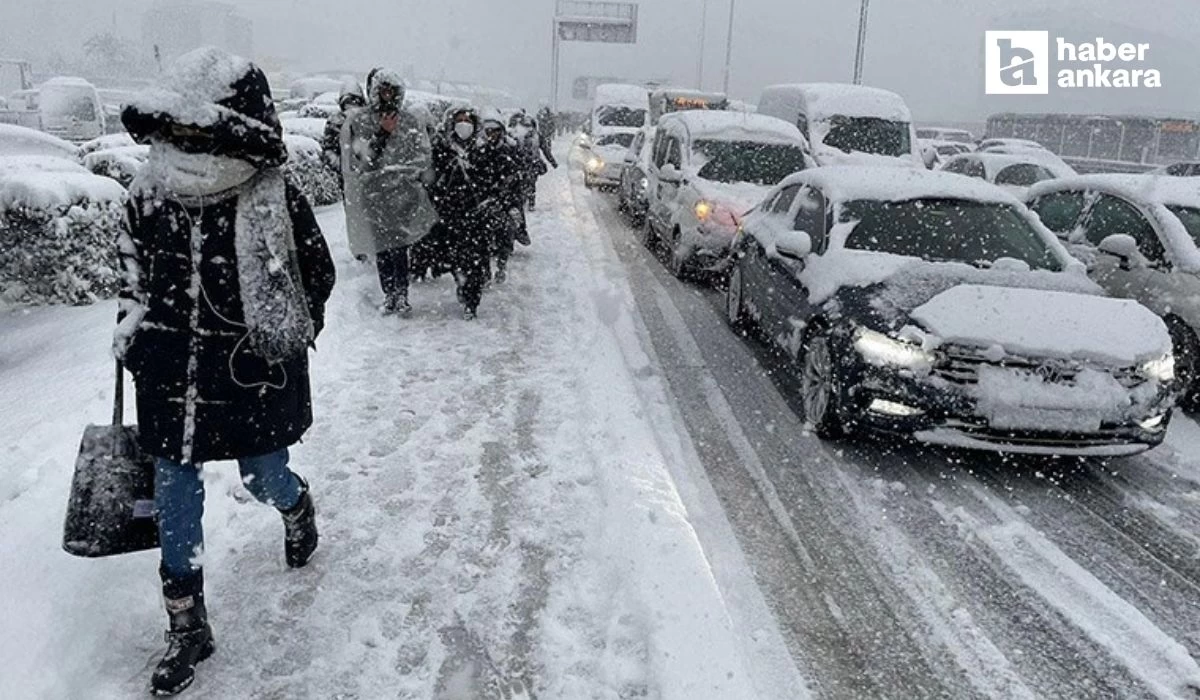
x=849, y=182
x=66, y=81
x=824, y=100
x=1143, y=189
x=622, y=95
x=49, y=190
x=731, y=126
x=993, y=163
x=18, y=140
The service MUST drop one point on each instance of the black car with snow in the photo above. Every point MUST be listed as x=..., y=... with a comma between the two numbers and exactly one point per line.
x=934, y=305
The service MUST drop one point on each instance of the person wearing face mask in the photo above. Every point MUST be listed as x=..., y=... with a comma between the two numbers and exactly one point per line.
x=498, y=163
x=224, y=284
x=461, y=203
x=387, y=166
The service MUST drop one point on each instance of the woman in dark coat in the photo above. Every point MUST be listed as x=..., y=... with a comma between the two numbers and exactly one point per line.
x=498, y=164
x=459, y=196
x=226, y=276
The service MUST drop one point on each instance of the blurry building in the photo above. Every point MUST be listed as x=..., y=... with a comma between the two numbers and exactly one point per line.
x=178, y=27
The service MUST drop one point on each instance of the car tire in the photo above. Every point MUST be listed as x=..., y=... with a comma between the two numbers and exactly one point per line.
x=735, y=302
x=647, y=234
x=675, y=264
x=819, y=386
x=1187, y=363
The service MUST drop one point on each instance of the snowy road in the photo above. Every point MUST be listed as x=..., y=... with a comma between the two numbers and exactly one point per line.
x=902, y=571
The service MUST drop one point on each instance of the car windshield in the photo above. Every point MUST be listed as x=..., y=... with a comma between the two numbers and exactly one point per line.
x=615, y=139
x=948, y=230
x=1190, y=217
x=868, y=135
x=74, y=104
x=747, y=161
x=1023, y=175
x=611, y=115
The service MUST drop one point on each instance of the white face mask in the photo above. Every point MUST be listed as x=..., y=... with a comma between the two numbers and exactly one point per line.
x=464, y=130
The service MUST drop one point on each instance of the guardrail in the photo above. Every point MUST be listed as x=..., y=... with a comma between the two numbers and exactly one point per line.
x=1087, y=166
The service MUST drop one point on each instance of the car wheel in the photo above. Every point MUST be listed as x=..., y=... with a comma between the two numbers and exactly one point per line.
x=675, y=262
x=1187, y=363
x=819, y=388
x=735, y=302
x=648, y=234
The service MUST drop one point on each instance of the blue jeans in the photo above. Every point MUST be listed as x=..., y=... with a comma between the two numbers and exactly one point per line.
x=179, y=500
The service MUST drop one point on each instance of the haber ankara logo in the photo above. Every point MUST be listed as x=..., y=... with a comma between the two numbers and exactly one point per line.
x=1017, y=63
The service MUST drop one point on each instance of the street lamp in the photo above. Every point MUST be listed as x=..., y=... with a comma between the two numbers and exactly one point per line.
x=729, y=46
x=862, y=41
x=703, y=32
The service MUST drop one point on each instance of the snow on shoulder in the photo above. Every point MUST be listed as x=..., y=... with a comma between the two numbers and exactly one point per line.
x=192, y=87
x=846, y=183
x=733, y=126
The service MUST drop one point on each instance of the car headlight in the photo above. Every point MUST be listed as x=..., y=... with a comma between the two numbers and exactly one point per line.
x=1161, y=368
x=644, y=183
x=594, y=164
x=883, y=350
x=703, y=209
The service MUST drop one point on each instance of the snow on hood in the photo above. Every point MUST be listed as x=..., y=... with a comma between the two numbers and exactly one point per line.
x=11, y=165
x=1044, y=323
x=741, y=197
x=825, y=155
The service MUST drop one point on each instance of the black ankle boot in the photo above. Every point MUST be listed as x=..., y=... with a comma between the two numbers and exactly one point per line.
x=189, y=641
x=300, y=529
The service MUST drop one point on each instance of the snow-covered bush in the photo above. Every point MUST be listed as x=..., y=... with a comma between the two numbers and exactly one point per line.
x=121, y=164
x=105, y=143
x=58, y=233
x=308, y=169
x=312, y=127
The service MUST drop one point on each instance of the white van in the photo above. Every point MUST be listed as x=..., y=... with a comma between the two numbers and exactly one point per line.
x=70, y=109
x=847, y=124
x=618, y=108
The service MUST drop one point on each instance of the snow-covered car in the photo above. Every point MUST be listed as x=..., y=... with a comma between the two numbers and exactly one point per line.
x=631, y=193
x=70, y=108
x=311, y=127
x=323, y=106
x=923, y=303
x=1050, y=161
x=1013, y=172
x=20, y=141
x=706, y=170
x=58, y=224
x=1187, y=168
x=945, y=133
x=934, y=152
x=847, y=124
x=1138, y=236
x=606, y=158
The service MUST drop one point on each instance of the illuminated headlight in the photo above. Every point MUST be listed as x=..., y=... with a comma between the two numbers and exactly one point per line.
x=644, y=183
x=879, y=349
x=1161, y=369
x=594, y=164
x=703, y=209
x=1153, y=423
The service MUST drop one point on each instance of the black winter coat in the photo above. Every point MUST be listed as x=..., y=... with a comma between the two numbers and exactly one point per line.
x=457, y=190
x=498, y=167
x=189, y=349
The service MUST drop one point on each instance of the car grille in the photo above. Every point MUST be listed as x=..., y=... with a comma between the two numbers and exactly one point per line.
x=961, y=365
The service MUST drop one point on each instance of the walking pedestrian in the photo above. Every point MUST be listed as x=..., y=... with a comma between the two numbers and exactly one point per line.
x=535, y=155
x=225, y=279
x=459, y=196
x=387, y=164
x=350, y=99
x=498, y=167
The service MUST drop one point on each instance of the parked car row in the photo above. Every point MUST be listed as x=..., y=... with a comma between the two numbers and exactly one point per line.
x=1001, y=303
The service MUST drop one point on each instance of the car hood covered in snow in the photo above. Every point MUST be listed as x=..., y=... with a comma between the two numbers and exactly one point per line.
x=1044, y=323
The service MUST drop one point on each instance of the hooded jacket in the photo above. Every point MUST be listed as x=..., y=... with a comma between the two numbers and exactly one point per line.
x=203, y=392
x=387, y=206
x=350, y=99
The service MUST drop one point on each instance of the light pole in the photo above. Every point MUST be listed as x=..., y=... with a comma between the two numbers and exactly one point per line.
x=729, y=46
x=703, y=33
x=862, y=41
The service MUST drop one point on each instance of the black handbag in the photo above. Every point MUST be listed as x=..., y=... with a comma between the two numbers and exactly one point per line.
x=111, y=506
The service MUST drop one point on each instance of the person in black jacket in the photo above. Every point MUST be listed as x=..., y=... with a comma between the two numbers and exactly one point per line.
x=535, y=154
x=351, y=98
x=460, y=198
x=226, y=275
x=498, y=164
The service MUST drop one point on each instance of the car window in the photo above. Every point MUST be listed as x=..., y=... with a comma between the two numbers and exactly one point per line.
x=868, y=135
x=971, y=167
x=746, y=161
x=948, y=230
x=1111, y=215
x=1190, y=218
x=615, y=140
x=810, y=217
x=1058, y=210
x=1023, y=175
x=782, y=203
x=802, y=124
x=1178, y=170
x=660, y=149
x=674, y=152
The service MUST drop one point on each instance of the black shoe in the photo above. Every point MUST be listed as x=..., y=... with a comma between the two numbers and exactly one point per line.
x=190, y=639
x=300, y=529
x=469, y=314
x=522, y=236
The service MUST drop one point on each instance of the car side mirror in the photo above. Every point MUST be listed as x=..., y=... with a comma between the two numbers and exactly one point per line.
x=669, y=173
x=795, y=245
x=1124, y=247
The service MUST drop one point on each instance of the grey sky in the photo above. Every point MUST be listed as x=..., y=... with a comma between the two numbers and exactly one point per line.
x=931, y=51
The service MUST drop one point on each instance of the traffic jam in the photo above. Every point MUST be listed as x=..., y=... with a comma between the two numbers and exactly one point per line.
x=919, y=281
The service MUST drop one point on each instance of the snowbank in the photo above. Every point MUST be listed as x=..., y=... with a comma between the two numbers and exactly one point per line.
x=14, y=165
x=20, y=141
x=307, y=168
x=58, y=233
